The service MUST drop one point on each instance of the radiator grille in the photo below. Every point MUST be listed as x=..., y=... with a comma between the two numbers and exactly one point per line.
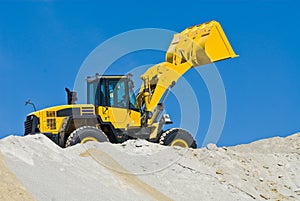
x=31, y=125
x=28, y=125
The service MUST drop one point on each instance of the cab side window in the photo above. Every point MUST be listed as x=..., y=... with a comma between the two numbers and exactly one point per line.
x=102, y=94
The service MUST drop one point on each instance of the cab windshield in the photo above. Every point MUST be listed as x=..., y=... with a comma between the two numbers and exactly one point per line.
x=118, y=93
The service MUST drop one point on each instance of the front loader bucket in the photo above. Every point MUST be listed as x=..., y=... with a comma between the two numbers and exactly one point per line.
x=199, y=45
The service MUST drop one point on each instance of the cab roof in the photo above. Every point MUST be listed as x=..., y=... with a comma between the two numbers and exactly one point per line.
x=98, y=77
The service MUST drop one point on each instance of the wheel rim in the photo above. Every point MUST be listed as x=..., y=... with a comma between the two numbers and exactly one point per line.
x=179, y=142
x=86, y=139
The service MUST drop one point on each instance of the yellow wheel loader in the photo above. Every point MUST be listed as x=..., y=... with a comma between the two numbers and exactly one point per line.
x=115, y=113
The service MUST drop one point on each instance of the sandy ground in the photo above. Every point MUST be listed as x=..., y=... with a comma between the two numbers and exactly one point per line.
x=10, y=187
x=138, y=170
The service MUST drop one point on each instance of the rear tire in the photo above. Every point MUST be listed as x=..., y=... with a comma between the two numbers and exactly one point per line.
x=177, y=137
x=85, y=134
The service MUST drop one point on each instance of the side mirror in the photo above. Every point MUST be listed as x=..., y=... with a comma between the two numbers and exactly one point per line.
x=28, y=102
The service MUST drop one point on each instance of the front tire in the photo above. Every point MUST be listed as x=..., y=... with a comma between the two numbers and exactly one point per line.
x=85, y=134
x=177, y=137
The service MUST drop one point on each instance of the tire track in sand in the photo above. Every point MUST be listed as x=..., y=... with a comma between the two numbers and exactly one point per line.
x=124, y=175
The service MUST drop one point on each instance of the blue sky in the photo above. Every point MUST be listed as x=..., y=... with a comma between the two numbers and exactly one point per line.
x=43, y=44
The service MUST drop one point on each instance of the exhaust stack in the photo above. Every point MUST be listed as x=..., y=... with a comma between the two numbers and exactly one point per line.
x=72, y=96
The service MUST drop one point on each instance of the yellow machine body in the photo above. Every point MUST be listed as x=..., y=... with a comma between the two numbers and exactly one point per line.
x=50, y=119
x=120, y=117
x=195, y=46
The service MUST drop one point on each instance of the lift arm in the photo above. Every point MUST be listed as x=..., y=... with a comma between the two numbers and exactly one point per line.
x=195, y=46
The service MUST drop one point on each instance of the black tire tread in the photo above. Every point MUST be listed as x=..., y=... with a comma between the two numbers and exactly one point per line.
x=74, y=134
x=171, y=131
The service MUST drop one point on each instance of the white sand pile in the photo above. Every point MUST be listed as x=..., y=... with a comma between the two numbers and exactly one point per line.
x=138, y=170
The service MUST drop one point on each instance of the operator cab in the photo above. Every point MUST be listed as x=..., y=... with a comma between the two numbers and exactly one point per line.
x=111, y=91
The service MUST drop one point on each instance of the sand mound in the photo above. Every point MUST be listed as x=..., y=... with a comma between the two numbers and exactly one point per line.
x=10, y=187
x=138, y=170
